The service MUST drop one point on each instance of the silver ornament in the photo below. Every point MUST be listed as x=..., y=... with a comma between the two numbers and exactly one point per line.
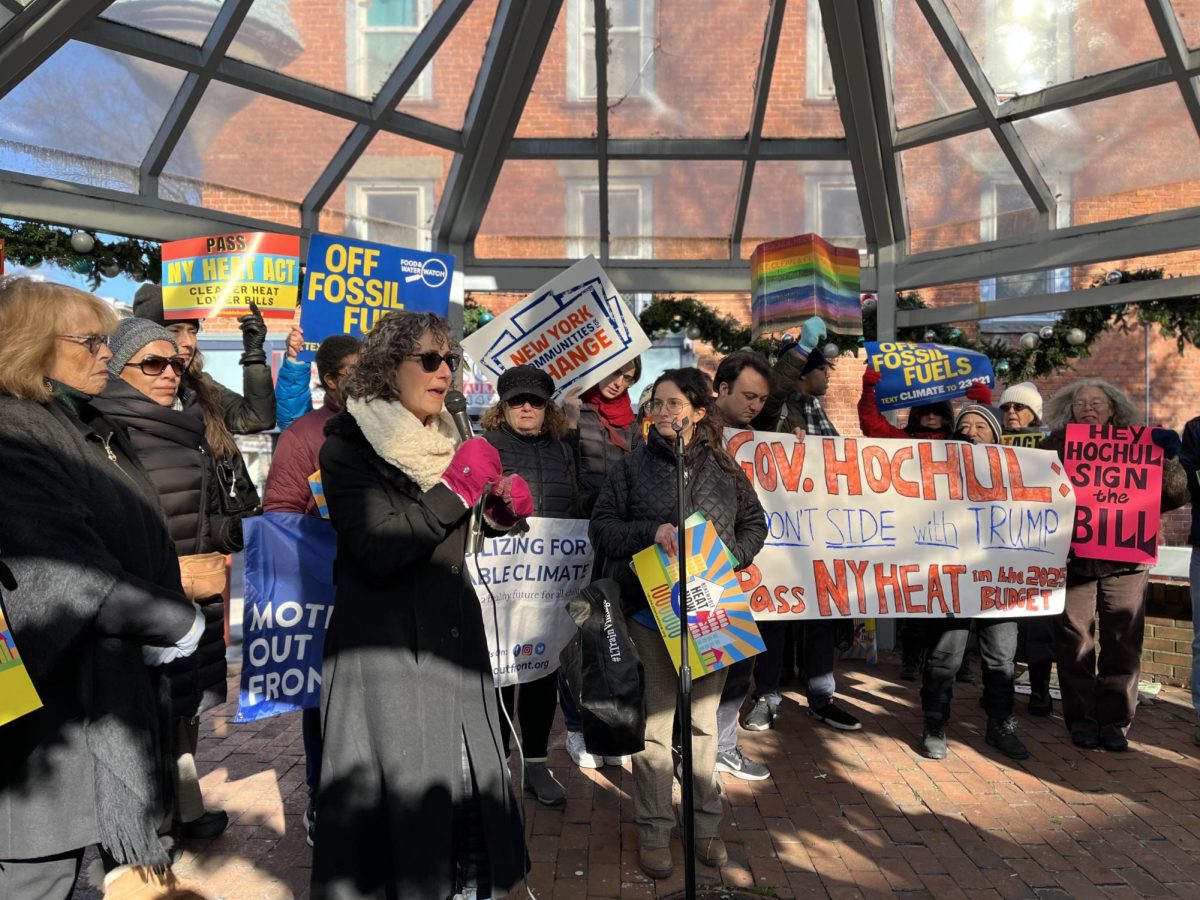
x=1029, y=341
x=1076, y=337
x=787, y=338
x=1046, y=332
x=930, y=336
x=869, y=302
x=694, y=333
x=1116, y=276
x=111, y=271
x=82, y=242
x=831, y=351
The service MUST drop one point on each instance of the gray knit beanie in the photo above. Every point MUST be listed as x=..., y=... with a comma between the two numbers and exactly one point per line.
x=130, y=336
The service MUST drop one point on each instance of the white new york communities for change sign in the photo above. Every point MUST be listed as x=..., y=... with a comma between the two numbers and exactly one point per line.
x=869, y=527
x=575, y=327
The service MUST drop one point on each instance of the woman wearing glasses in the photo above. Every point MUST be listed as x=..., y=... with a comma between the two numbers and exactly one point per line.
x=638, y=508
x=414, y=799
x=604, y=427
x=97, y=598
x=1099, y=695
x=527, y=429
x=143, y=384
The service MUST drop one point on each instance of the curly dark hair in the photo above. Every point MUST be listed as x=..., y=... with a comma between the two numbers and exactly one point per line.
x=555, y=425
x=389, y=343
x=698, y=388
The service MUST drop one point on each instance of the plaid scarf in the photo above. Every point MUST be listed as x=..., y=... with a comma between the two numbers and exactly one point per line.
x=815, y=420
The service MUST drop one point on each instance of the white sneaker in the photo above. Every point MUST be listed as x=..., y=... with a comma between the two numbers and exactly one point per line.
x=616, y=760
x=579, y=752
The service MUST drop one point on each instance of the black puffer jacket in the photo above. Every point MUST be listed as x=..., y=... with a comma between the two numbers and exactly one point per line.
x=640, y=495
x=247, y=414
x=547, y=466
x=596, y=453
x=170, y=446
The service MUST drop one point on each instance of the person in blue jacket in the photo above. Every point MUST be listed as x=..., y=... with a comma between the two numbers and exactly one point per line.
x=293, y=385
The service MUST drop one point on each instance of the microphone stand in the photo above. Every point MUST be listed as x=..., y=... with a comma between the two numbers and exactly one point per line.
x=685, y=679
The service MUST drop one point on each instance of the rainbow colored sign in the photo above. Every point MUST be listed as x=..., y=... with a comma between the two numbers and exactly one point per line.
x=18, y=696
x=799, y=277
x=721, y=629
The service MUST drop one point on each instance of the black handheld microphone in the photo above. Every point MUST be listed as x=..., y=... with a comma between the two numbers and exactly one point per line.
x=456, y=405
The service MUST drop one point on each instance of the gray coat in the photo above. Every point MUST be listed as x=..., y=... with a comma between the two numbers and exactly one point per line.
x=97, y=578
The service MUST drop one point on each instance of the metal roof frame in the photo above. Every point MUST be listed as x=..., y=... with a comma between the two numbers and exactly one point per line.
x=854, y=35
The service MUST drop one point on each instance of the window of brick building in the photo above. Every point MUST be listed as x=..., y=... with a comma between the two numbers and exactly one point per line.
x=631, y=40
x=1028, y=46
x=380, y=33
x=819, y=68
x=630, y=220
x=1006, y=212
x=392, y=213
x=833, y=209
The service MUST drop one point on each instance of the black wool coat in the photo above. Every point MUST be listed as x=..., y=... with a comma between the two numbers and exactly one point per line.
x=547, y=466
x=641, y=494
x=97, y=578
x=407, y=687
x=170, y=446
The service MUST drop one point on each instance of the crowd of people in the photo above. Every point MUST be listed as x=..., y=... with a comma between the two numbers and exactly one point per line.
x=123, y=490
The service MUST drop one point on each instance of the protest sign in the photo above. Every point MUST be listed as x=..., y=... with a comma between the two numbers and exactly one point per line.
x=219, y=276
x=1117, y=474
x=721, y=629
x=18, y=696
x=289, y=600
x=912, y=374
x=480, y=392
x=796, y=278
x=350, y=285
x=575, y=327
x=878, y=528
x=1023, y=438
x=523, y=582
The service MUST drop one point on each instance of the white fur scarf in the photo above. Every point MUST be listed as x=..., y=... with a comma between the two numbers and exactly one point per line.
x=421, y=452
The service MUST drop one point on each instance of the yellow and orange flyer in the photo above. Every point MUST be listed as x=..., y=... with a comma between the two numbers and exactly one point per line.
x=17, y=693
x=220, y=275
x=721, y=629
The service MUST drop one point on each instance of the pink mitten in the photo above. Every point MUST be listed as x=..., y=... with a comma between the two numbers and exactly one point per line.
x=508, y=502
x=475, y=465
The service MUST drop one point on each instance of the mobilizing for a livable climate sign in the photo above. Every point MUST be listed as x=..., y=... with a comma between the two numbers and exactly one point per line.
x=915, y=374
x=874, y=527
x=221, y=275
x=523, y=582
x=349, y=285
x=575, y=328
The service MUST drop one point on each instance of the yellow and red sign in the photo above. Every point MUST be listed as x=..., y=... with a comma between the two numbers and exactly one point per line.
x=222, y=274
x=17, y=693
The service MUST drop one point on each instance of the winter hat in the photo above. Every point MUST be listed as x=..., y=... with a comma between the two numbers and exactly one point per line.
x=1026, y=394
x=989, y=414
x=521, y=380
x=815, y=360
x=148, y=304
x=130, y=336
x=943, y=408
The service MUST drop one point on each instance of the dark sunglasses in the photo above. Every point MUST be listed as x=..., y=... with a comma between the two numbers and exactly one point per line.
x=156, y=365
x=92, y=342
x=521, y=399
x=1012, y=407
x=431, y=360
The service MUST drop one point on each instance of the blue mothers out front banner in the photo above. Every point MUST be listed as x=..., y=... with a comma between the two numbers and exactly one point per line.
x=289, y=600
x=915, y=374
x=349, y=285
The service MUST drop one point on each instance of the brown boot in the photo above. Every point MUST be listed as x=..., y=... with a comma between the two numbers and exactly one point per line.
x=656, y=861
x=711, y=851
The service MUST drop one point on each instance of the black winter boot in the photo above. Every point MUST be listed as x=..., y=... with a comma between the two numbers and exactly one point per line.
x=1002, y=734
x=933, y=740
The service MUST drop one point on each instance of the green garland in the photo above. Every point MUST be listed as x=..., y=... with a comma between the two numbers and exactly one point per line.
x=1178, y=318
x=31, y=244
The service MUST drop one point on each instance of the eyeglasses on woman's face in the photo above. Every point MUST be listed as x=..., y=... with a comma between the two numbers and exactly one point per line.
x=156, y=365
x=91, y=342
x=673, y=405
x=431, y=360
x=522, y=399
x=1094, y=403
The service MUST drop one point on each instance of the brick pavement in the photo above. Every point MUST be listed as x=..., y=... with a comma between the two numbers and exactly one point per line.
x=844, y=815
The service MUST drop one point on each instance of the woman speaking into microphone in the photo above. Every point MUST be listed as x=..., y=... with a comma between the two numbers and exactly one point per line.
x=415, y=800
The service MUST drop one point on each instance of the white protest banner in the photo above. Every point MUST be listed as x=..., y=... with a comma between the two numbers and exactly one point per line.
x=877, y=528
x=523, y=582
x=575, y=327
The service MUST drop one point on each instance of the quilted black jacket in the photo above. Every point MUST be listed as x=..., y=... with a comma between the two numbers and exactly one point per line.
x=546, y=464
x=640, y=495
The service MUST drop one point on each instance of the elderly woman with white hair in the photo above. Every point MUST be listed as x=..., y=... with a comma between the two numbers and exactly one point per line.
x=1100, y=693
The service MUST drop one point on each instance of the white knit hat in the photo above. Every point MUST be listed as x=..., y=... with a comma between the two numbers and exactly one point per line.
x=1026, y=394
